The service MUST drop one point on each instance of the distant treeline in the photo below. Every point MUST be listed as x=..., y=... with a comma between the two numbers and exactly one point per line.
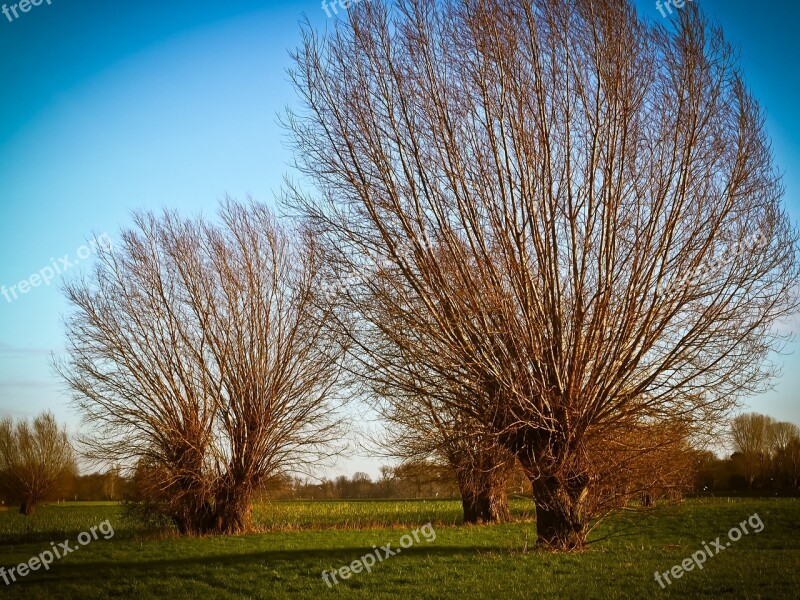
x=777, y=471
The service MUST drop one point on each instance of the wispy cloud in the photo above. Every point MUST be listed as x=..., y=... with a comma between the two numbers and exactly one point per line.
x=26, y=384
x=8, y=349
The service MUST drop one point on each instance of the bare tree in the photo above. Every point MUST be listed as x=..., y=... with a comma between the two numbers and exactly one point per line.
x=34, y=459
x=418, y=409
x=793, y=463
x=780, y=440
x=653, y=461
x=569, y=211
x=482, y=469
x=751, y=436
x=387, y=480
x=780, y=435
x=198, y=353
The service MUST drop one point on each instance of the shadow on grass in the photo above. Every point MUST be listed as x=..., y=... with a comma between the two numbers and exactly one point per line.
x=59, y=535
x=205, y=570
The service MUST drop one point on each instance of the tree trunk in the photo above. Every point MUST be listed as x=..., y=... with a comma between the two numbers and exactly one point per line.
x=194, y=518
x=233, y=513
x=28, y=507
x=560, y=520
x=485, y=506
x=484, y=498
x=230, y=515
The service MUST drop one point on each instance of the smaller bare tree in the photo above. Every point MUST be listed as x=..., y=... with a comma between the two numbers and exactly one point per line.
x=199, y=353
x=780, y=435
x=646, y=460
x=34, y=459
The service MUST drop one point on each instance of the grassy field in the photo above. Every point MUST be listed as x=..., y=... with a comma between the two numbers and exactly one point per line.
x=302, y=539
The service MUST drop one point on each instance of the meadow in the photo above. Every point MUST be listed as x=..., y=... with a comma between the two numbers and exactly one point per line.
x=297, y=541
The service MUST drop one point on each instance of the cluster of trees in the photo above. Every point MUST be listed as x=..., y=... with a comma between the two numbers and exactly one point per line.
x=766, y=451
x=517, y=192
x=765, y=458
x=107, y=486
x=110, y=485
x=38, y=463
x=423, y=479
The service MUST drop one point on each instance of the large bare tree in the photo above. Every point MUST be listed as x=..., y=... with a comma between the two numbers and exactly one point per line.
x=198, y=354
x=34, y=459
x=571, y=211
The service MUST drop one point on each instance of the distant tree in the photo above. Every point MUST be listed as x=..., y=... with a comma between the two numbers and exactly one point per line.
x=344, y=488
x=387, y=479
x=35, y=459
x=793, y=463
x=780, y=436
x=751, y=437
x=199, y=352
x=362, y=485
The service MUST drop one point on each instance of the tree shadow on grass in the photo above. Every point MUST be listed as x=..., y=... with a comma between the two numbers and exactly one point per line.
x=206, y=570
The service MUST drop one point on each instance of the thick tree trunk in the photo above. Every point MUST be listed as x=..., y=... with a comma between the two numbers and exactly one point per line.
x=489, y=504
x=194, y=518
x=229, y=516
x=482, y=472
x=562, y=512
x=233, y=513
x=28, y=507
x=561, y=523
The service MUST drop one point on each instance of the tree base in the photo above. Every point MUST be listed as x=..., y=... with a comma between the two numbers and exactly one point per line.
x=224, y=519
x=561, y=524
x=488, y=506
x=28, y=507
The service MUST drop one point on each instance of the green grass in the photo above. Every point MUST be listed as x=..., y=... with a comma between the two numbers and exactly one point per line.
x=57, y=522
x=368, y=514
x=463, y=562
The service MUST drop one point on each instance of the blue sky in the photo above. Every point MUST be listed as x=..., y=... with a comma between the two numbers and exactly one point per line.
x=109, y=107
